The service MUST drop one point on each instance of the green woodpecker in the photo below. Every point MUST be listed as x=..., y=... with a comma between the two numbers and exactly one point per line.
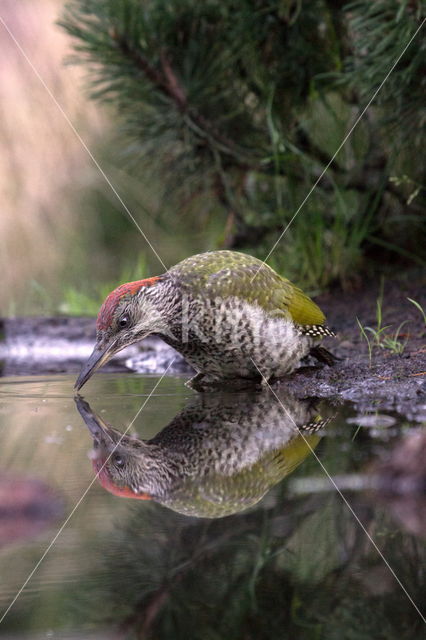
x=218, y=456
x=229, y=314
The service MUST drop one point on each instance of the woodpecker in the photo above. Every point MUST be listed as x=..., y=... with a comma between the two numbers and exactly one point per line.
x=218, y=456
x=230, y=315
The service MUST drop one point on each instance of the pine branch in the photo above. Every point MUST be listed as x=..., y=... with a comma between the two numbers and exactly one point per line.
x=168, y=83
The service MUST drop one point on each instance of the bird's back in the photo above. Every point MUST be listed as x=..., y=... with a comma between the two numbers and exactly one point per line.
x=225, y=274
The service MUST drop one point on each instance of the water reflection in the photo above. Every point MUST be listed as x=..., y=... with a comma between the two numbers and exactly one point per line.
x=27, y=506
x=297, y=565
x=218, y=456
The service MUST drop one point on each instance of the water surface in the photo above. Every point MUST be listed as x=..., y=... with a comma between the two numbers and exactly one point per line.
x=294, y=563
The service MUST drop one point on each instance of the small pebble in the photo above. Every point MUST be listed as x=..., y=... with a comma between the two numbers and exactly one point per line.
x=376, y=420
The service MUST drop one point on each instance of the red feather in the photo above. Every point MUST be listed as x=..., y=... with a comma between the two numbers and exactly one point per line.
x=106, y=312
x=106, y=482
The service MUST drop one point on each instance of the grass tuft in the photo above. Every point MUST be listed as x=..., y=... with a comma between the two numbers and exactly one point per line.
x=419, y=307
x=379, y=336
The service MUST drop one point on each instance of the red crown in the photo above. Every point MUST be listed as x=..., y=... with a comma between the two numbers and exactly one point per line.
x=106, y=312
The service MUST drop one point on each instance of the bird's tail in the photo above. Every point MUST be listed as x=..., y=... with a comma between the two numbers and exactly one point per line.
x=317, y=331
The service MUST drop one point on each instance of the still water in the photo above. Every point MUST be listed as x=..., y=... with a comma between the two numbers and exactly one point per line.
x=236, y=532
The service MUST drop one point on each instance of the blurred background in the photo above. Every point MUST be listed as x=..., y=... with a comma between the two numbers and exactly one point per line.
x=212, y=120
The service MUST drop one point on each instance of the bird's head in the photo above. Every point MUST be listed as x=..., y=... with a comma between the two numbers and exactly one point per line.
x=125, y=465
x=128, y=314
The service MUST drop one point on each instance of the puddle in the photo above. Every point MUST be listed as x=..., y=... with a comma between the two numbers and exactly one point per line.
x=241, y=534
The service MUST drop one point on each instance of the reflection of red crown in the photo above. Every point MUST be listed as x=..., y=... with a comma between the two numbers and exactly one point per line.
x=106, y=312
x=105, y=480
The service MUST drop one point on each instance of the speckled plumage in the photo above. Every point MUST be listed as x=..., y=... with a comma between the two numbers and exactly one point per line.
x=218, y=456
x=229, y=314
x=230, y=338
x=240, y=316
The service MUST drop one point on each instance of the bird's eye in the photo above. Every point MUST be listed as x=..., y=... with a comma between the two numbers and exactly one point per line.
x=123, y=322
x=118, y=460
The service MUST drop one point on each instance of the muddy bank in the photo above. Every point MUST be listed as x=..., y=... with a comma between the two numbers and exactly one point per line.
x=382, y=379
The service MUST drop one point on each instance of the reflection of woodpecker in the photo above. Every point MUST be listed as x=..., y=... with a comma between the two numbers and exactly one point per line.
x=227, y=313
x=218, y=456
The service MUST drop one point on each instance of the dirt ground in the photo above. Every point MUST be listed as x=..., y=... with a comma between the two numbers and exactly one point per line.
x=387, y=380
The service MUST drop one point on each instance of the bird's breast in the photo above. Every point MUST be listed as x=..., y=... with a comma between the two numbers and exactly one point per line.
x=231, y=337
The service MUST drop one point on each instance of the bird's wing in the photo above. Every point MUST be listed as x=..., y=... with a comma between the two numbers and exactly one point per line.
x=282, y=462
x=222, y=274
x=302, y=309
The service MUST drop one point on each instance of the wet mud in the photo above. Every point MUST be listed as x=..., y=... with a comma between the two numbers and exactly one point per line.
x=381, y=378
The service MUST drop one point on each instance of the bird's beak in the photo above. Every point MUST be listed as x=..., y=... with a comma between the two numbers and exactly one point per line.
x=101, y=432
x=98, y=357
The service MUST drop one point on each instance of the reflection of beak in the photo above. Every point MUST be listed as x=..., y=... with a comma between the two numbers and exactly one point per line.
x=97, y=358
x=99, y=430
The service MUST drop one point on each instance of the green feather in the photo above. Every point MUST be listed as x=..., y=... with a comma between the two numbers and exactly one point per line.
x=303, y=310
x=229, y=273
